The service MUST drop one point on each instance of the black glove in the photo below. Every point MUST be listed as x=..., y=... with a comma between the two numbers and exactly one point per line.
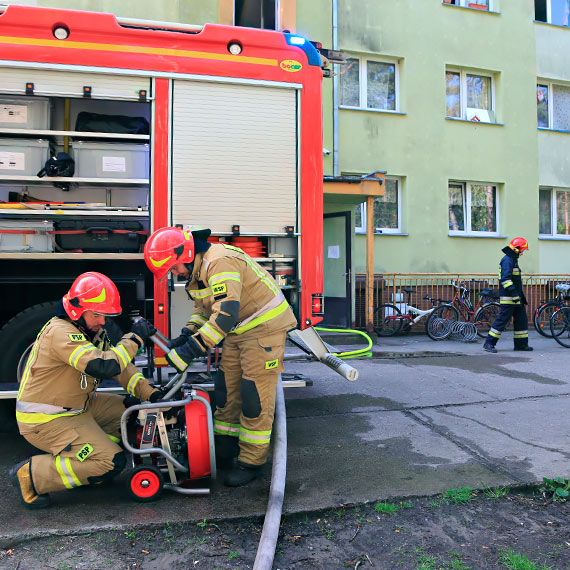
x=131, y=401
x=141, y=327
x=185, y=334
x=157, y=395
x=182, y=356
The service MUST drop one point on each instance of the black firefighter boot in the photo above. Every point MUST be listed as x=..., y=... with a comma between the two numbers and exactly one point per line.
x=242, y=474
x=490, y=343
x=21, y=475
x=522, y=344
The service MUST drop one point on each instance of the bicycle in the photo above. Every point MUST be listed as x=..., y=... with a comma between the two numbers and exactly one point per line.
x=543, y=313
x=461, y=308
x=560, y=326
x=389, y=320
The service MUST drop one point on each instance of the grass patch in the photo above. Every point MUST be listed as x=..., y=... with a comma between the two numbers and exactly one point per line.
x=495, y=492
x=386, y=508
x=459, y=496
x=515, y=561
x=557, y=488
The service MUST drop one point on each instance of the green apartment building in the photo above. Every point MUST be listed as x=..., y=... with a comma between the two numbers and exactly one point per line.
x=465, y=106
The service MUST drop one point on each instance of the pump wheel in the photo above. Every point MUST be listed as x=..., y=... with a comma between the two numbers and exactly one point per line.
x=145, y=483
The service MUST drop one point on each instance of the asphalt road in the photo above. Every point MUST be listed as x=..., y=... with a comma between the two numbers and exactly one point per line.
x=423, y=417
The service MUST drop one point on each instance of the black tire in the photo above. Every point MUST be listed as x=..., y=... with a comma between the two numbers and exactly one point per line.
x=485, y=317
x=560, y=326
x=17, y=335
x=145, y=483
x=437, y=324
x=541, y=318
x=387, y=320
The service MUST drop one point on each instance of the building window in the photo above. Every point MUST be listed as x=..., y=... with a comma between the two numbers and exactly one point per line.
x=469, y=96
x=553, y=106
x=478, y=4
x=369, y=84
x=256, y=13
x=387, y=210
x=552, y=12
x=473, y=208
x=554, y=212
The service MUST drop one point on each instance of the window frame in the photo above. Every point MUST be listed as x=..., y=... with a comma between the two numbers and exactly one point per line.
x=549, y=16
x=551, y=98
x=553, y=213
x=363, y=83
x=463, y=93
x=466, y=189
x=277, y=15
x=383, y=231
x=465, y=4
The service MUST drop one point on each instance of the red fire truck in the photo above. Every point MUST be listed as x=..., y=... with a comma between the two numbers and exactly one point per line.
x=148, y=125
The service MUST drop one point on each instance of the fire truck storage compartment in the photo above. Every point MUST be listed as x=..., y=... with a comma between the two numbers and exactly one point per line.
x=110, y=160
x=24, y=113
x=25, y=236
x=22, y=157
x=99, y=235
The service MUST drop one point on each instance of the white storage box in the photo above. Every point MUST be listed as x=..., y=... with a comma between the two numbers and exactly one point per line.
x=24, y=113
x=25, y=236
x=110, y=160
x=22, y=157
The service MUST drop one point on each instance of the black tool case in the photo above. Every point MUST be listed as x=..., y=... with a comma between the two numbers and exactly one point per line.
x=101, y=235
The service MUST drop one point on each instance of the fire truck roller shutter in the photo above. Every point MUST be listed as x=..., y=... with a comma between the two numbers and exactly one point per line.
x=235, y=154
x=53, y=83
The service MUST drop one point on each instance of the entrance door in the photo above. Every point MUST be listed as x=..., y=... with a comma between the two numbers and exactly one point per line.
x=337, y=270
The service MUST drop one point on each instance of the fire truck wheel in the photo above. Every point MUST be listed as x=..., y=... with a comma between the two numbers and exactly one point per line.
x=19, y=333
x=145, y=483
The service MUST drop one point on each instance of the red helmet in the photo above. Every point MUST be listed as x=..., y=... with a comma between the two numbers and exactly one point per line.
x=92, y=291
x=518, y=244
x=165, y=248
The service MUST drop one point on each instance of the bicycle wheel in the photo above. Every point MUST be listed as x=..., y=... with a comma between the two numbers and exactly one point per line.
x=387, y=320
x=438, y=324
x=541, y=317
x=485, y=317
x=560, y=326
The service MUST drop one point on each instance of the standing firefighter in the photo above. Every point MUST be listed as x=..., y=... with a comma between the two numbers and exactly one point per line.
x=512, y=299
x=59, y=410
x=237, y=301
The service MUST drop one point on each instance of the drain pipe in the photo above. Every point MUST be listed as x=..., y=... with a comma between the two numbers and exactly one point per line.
x=268, y=541
x=335, y=87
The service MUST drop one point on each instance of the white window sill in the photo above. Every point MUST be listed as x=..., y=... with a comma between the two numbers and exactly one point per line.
x=547, y=237
x=471, y=9
x=475, y=235
x=386, y=111
x=474, y=122
x=376, y=233
x=549, y=24
x=553, y=130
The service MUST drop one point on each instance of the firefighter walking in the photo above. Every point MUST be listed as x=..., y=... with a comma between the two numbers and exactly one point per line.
x=238, y=302
x=58, y=408
x=512, y=299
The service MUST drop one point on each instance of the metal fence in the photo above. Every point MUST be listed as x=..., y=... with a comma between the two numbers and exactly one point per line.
x=388, y=288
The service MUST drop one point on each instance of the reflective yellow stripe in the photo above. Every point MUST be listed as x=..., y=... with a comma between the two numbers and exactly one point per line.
x=494, y=333
x=122, y=353
x=61, y=473
x=255, y=437
x=507, y=283
x=212, y=334
x=521, y=335
x=33, y=418
x=200, y=293
x=224, y=276
x=224, y=428
x=281, y=308
x=63, y=466
x=197, y=320
x=173, y=355
x=113, y=438
x=78, y=352
x=75, y=479
x=134, y=380
x=257, y=270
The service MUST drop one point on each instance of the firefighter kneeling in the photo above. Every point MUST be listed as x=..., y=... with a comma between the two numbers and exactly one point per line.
x=59, y=410
x=237, y=301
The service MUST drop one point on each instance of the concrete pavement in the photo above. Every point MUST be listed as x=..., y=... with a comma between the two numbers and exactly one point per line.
x=423, y=417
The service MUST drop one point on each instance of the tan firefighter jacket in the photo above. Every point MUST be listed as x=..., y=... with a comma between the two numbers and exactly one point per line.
x=234, y=295
x=61, y=372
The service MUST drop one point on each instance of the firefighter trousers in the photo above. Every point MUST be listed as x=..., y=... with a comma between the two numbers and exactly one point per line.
x=520, y=321
x=245, y=389
x=80, y=450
